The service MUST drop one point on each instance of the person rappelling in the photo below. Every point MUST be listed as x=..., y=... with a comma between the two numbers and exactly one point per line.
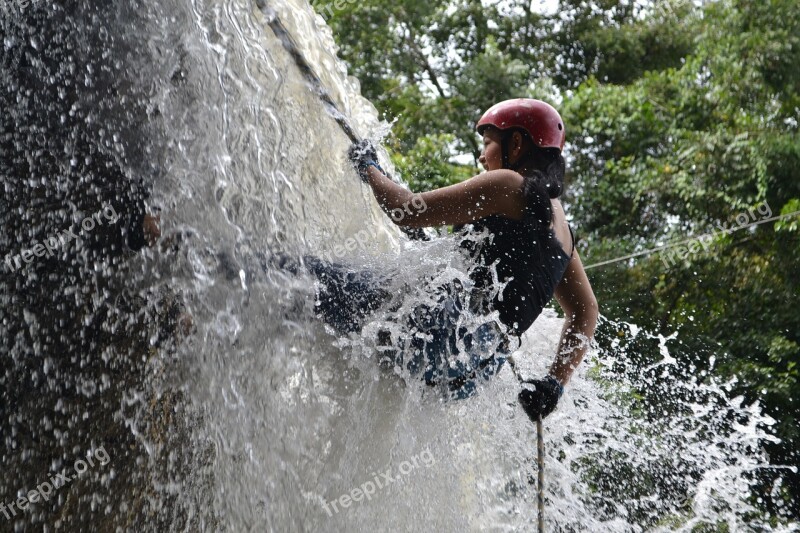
x=529, y=242
x=516, y=202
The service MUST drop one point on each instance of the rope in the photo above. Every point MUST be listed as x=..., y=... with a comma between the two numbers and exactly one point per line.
x=305, y=68
x=317, y=86
x=539, y=453
x=679, y=243
x=540, y=460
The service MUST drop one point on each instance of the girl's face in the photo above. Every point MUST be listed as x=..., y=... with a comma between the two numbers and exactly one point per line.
x=492, y=155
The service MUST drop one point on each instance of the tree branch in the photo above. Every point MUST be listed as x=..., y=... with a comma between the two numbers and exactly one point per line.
x=426, y=66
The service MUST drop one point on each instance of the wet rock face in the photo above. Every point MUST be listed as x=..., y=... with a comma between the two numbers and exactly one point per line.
x=74, y=137
x=76, y=321
x=104, y=107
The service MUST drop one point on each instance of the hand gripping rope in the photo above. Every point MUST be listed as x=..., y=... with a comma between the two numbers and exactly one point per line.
x=539, y=456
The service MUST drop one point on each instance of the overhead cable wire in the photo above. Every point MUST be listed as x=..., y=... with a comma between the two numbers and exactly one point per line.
x=680, y=243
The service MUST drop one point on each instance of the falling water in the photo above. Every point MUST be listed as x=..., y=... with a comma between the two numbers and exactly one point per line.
x=198, y=365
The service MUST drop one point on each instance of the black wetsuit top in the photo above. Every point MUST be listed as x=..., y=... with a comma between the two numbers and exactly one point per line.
x=529, y=259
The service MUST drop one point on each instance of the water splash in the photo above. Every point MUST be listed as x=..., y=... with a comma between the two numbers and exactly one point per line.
x=221, y=400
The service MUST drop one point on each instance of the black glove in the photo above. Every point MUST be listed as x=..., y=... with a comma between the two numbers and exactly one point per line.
x=542, y=399
x=362, y=155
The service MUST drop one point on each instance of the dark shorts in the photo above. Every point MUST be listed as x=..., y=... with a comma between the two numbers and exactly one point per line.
x=435, y=346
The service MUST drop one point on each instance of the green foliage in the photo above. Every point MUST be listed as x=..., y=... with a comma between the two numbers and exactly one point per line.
x=425, y=166
x=680, y=151
x=619, y=42
x=792, y=224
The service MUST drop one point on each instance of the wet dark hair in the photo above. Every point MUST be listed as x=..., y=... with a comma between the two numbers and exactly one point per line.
x=545, y=181
x=549, y=165
x=550, y=169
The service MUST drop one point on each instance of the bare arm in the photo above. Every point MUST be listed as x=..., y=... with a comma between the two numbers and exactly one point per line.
x=497, y=192
x=575, y=295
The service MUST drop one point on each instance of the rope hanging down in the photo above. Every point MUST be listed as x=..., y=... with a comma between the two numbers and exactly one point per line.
x=540, y=460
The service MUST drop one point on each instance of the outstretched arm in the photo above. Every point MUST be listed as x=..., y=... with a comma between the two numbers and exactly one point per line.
x=496, y=192
x=575, y=295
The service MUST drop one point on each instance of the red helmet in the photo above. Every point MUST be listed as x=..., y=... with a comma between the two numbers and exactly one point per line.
x=539, y=119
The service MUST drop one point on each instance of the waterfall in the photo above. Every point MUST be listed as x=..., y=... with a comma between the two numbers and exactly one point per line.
x=189, y=385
